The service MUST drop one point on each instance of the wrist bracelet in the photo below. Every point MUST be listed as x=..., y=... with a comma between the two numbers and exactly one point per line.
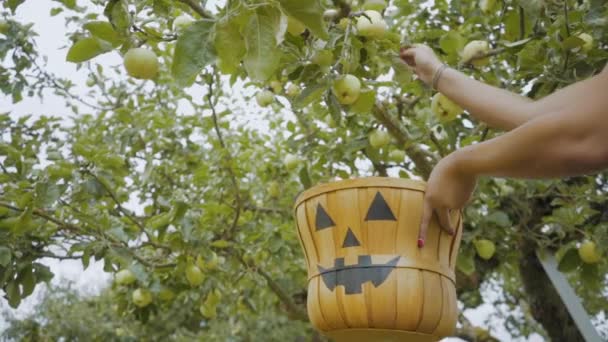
x=437, y=75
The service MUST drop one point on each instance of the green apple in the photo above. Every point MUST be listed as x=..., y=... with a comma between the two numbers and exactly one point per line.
x=274, y=189
x=473, y=50
x=330, y=14
x=485, y=248
x=182, y=22
x=376, y=28
x=194, y=275
x=276, y=86
x=141, y=63
x=379, y=138
x=445, y=109
x=166, y=294
x=295, y=27
x=141, y=297
x=323, y=58
x=291, y=161
x=487, y=6
x=588, y=45
x=398, y=156
x=347, y=89
x=375, y=5
x=589, y=253
x=90, y=82
x=4, y=26
x=293, y=90
x=264, y=98
x=125, y=277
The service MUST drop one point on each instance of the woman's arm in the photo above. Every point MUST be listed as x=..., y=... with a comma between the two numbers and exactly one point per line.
x=497, y=107
x=502, y=109
x=568, y=142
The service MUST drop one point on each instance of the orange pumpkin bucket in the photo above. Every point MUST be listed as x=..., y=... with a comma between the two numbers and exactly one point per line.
x=367, y=279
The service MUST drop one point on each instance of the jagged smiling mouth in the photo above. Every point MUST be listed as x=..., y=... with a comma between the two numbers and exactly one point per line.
x=352, y=277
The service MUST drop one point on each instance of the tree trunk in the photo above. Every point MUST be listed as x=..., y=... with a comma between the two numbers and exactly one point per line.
x=546, y=305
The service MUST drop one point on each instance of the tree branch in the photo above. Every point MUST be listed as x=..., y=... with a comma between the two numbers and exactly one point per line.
x=229, y=159
x=295, y=311
x=197, y=8
x=423, y=160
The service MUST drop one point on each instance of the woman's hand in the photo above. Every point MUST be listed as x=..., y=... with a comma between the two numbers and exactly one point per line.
x=448, y=188
x=422, y=59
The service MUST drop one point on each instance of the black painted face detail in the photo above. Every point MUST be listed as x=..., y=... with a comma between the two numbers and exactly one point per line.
x=352, y=277
x=322, y=220
x=379, y=210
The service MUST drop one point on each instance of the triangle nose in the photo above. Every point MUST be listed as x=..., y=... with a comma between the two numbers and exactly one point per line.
x=350, y=240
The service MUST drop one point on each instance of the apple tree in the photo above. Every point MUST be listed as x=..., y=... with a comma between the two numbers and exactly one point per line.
x=178, y=168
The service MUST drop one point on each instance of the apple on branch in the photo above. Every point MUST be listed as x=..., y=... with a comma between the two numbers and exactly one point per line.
x=474, y=51
x=264, y=98
x=141, y=63
x=347, y=89
x=374, y=27
x=379, y=138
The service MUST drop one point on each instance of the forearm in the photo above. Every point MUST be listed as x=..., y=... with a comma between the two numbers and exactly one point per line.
x=496, y=107
x=546, y=147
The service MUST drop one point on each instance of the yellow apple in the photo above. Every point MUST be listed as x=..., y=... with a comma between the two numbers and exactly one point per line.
x=264, y=98
x=588, y=45
x=141, y=297
x=379, y=138
x=444, y=108
x=347, y=89
x=194, y=275
x=473, y=50
x=374, y=28
x=589, y=253
x=485, y=248
x=141, y=63
x=125, y=277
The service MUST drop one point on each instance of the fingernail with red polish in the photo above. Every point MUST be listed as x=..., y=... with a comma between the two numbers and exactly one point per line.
x=420, y=243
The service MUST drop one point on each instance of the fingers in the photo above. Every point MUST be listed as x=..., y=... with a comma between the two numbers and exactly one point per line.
x=408, y=55
x=427, y=214
x=443, y=215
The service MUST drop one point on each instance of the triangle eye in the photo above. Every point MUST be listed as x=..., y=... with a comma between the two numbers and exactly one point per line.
x=379, y=210
x=323, y=220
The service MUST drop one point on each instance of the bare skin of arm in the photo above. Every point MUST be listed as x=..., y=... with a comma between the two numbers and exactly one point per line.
x=496, y=107
x=566, y=139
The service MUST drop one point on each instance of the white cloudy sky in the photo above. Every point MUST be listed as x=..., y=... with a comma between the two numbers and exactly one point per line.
x=51, y=43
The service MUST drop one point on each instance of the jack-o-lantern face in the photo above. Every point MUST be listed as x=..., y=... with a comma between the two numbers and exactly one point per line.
x=352, y=277
x=365, y=270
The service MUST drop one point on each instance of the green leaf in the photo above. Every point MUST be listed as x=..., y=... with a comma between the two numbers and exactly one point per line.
x=263, y=56
x=193, y=51
x=13, y=4
x=570, y=261
x=466, y=261
x=499, y=218
x=364, y=103
x=13, y=295
x=309, y=95
x=5, y=256
x=104, y=31
x=86, y=49
x=572, y=42
x=117, y=12
x=28, y=281
x=335, y=109
x=452, y=43
x=309, y=13
x=230, y=46
x=305, y=178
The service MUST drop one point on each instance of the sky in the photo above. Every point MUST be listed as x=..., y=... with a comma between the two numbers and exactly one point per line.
x=52, y=43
